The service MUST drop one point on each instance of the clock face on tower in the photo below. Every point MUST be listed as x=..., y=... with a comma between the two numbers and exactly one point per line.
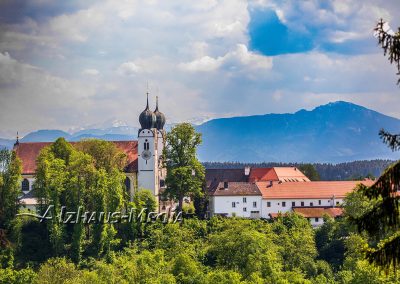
x=146, y=154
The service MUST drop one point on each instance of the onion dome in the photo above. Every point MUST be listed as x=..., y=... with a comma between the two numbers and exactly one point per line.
x=160, y=117
x=147, y=118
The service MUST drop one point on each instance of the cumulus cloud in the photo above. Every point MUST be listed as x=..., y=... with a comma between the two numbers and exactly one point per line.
x=197, y=54
x=31, y=97
x=128, y=69
x=91, y=72
x=241, y=57
x=334, y=21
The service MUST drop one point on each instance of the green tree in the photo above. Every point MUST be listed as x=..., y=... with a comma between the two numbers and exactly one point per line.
x=105, y=154
x=295, y=239
x=57, y=270
x=185, y=174
x=144, y=198
x=245, y=250
x=69, y=177
x=390, y=43
x=310, y=171
x=382, y=222
x=10, y=181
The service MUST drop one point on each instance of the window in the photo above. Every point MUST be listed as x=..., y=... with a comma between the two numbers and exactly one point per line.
x=244, y=199
x=233, y=204
x=268, y=204
x=337, y=203
x=316, y=219
x=293, y=204
x=128, y=184
x=146, y=145
x=319, y=202
x=162, y=183
x=244, y=209
x=284, y=204
x=25, y=185
x=311, y=204
x=302, y=203
x=254, y=204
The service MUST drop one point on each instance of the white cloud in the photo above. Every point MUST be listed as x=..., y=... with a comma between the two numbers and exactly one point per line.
x=91, y=72
x=240, y=56
x=205, y=63
x=196, y=53
x=333, y=21
x=33, y=98
x=128, y=69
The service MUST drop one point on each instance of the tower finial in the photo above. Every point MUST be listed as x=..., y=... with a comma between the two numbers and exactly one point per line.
x=156, y=102
x=17, y=141
x=147, y=105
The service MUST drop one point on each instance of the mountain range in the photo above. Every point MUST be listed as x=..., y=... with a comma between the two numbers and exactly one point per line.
x=335, y=132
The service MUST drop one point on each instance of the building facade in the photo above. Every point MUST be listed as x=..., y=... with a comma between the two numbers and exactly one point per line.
x=269, y=192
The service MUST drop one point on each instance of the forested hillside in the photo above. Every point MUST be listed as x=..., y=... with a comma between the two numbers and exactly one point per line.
x=326, y=171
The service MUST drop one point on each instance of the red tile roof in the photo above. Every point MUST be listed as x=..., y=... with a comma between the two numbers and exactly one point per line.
x=308, y=190
x=236, y=188
x=262, y=174
x=290, y=174
x=318, y=212
x=284, y=174
x=29, y=151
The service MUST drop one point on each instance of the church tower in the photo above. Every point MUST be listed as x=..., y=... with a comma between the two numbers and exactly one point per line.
x=150, y=144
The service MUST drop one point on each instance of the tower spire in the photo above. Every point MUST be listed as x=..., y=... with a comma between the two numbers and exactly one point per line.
x=156, y=103
x=17, y=141
x=147, y=105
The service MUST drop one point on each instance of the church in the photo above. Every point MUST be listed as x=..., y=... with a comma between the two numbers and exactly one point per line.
x=143, y=168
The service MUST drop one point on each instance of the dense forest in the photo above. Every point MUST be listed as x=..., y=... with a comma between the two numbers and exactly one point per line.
x=326, y=171
x=146, y=250
x=218, y=250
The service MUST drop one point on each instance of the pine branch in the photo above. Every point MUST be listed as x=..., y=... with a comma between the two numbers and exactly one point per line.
x=390, y=43
x=387, y=254
x=385, y=215
x=392, y=140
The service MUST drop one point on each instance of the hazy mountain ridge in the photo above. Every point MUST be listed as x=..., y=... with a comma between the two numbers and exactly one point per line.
x=335, y=132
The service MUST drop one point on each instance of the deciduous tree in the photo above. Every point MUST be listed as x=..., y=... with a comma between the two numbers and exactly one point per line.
x=10, y=189
x=185, y=174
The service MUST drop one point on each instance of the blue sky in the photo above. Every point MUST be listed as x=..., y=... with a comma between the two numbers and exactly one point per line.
x=71, y=64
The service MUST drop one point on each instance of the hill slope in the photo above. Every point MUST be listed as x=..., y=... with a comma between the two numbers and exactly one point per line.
x=336, y=132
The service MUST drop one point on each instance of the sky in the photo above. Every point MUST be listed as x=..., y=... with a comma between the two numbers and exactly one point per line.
x=73, y=64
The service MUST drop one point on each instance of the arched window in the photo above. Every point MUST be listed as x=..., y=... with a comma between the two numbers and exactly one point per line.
x=128, y=184
x=146, y=145
x=25, y=185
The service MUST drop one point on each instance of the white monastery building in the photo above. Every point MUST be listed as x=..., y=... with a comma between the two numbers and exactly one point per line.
x=268, y=192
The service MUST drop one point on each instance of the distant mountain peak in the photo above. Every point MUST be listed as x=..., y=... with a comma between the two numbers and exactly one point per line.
x=340, y=105
x=335, y=132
